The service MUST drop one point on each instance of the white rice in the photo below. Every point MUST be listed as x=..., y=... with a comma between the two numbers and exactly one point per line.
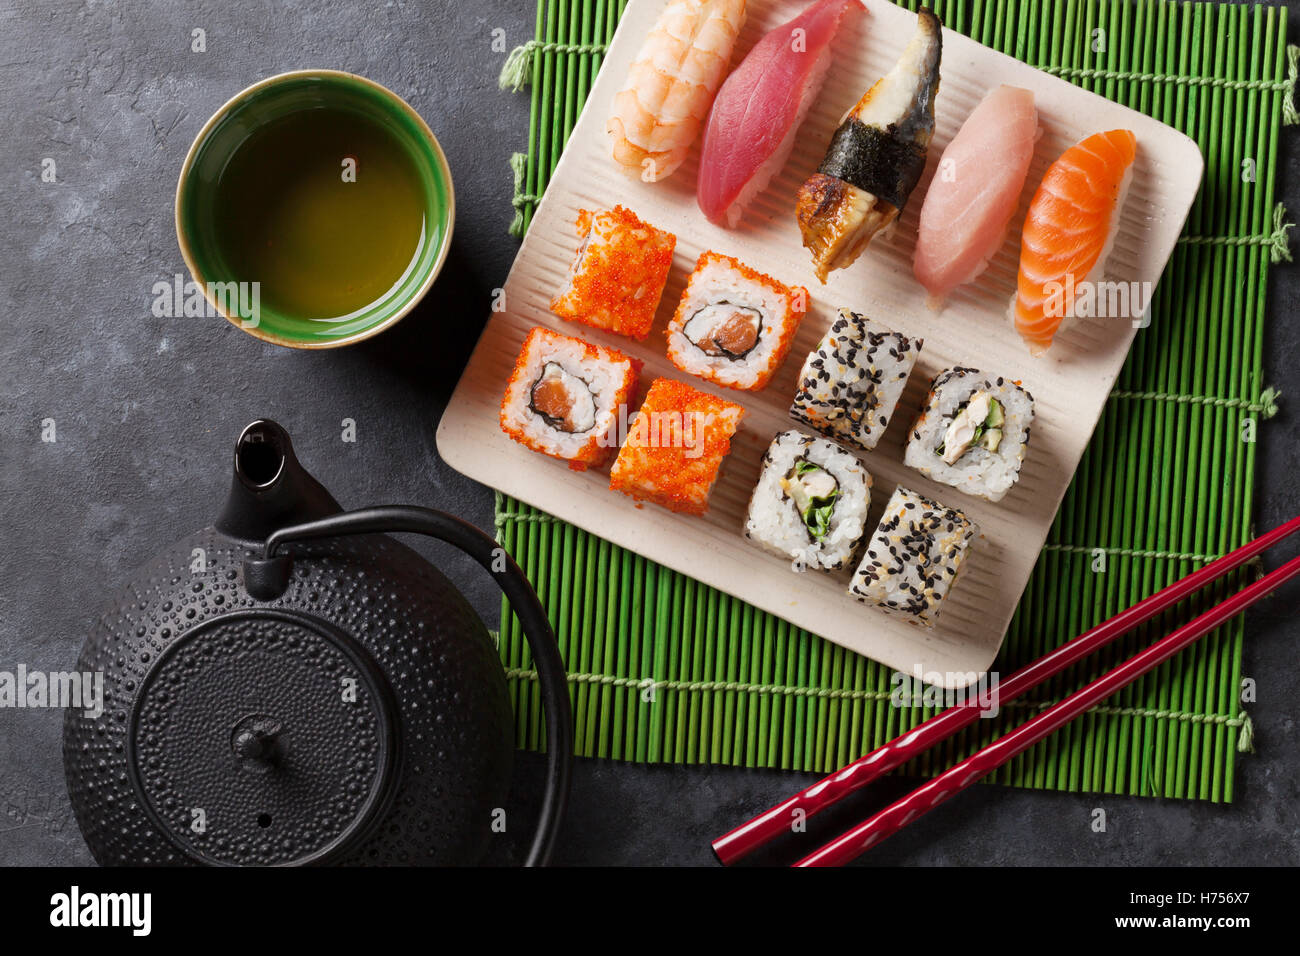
x=717, y=282
x=774, y=522
x=979, y=472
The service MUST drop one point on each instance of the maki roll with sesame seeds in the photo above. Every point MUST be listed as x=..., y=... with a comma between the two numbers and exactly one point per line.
x=618, y=275
x=850, y=385
x=810, y=503
x=914, y=557
x=734, y=325
x=565, y=397
x=675, y=446
x=972, y=433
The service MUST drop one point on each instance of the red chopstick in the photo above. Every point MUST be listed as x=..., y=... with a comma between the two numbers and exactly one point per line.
x=983, y=762
x=777, y=821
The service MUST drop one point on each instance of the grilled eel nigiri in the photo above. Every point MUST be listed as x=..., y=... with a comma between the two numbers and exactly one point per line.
x=875, y=157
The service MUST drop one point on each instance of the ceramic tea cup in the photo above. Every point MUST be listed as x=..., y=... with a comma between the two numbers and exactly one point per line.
x=314, y=209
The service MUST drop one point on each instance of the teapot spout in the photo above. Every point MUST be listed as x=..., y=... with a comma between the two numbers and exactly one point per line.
x=270, y=488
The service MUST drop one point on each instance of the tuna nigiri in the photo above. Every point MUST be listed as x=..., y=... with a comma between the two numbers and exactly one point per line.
x=760, y=108
x=671, y=84
x=975, y=190
x=1069, y=229
x=875, y=157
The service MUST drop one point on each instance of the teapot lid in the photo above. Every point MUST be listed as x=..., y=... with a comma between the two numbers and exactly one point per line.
x=305, y=768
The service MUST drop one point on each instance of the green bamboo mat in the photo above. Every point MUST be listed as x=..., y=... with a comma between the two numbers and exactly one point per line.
x=663, y=668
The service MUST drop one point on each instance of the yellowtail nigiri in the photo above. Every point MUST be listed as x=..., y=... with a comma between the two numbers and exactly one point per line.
x=974, y=193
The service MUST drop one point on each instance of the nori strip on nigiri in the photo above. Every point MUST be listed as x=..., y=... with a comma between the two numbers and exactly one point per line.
x=875, y=157
x=879, y=161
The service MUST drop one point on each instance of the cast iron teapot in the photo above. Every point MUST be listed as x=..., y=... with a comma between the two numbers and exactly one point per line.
x=292, y=686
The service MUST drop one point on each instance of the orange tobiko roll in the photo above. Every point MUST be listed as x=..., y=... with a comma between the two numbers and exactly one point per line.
x=619, y=273
x=734, y=325
x=675, y=447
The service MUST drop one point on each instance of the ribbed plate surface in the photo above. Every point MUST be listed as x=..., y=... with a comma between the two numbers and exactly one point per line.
x=1069, y=384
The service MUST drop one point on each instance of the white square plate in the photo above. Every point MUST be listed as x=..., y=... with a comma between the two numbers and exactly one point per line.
x=1070, y=384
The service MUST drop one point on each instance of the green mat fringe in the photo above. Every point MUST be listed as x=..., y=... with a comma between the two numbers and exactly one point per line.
x=665, y=669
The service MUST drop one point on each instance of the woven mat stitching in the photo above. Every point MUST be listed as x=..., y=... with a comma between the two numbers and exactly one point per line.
x=778, y=690
x=1266, y=404
x=516, y=73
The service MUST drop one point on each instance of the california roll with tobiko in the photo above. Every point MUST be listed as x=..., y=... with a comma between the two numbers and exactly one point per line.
x=734, y=325
x=565, y=397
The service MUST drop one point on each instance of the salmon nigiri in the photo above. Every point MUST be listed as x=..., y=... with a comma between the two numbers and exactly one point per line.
x=757, y=113
x=1069, y=229
x=974, y=193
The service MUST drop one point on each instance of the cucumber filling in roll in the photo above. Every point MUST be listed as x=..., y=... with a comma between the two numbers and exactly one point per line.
x=813, y=491
x=977, y=425
x=810, y=503
x=972, y=433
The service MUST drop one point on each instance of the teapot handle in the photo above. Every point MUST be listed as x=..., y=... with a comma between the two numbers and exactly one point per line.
x=267, y=577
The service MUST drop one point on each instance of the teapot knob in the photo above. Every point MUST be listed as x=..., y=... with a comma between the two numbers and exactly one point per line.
x=258, y=742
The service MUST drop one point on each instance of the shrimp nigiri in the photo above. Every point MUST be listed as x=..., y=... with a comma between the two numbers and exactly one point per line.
x=671, y=84
x=1071, y=223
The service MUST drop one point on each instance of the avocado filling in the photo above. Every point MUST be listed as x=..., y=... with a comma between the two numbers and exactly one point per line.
x=977, y=425
x=813, y=490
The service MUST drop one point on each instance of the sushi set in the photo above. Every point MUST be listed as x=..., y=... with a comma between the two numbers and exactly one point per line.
x=791, y=309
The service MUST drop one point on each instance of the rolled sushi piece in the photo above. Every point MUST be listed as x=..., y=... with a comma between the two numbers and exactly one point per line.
x=618, y=275
x=972, y=432
x=810, y=503
x=565, y=396
x=675, y=446
x=914, y=557
x=851, y=384
x=734, y=325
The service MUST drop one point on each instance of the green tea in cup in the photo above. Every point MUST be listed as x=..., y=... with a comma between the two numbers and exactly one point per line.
x=330, y=194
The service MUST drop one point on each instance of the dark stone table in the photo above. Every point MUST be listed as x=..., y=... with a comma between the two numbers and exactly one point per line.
x=146, y=409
